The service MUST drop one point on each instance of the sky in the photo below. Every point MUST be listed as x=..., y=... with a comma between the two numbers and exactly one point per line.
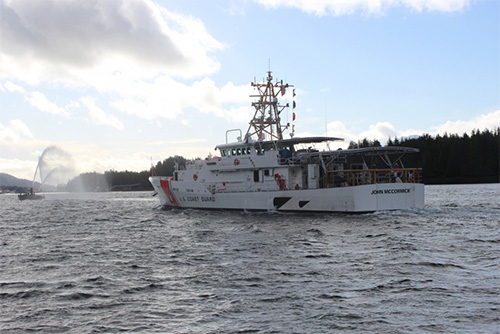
x=118, y=84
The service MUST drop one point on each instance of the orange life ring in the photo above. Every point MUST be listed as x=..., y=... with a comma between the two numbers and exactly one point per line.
x=195, y=177
x=277, y=177
x=236, y=162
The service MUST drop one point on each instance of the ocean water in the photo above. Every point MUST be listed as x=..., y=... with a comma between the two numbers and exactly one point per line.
x=116, y=262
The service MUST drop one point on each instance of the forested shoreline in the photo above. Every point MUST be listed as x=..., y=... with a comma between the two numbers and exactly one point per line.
x=453, y=159
x=459, y=159
x=448, y=159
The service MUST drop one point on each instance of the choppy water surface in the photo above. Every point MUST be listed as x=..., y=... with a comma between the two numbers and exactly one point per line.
x=115, y=262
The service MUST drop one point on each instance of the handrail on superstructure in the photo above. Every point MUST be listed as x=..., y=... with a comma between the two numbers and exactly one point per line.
x=232, y=131
x=355, y=177
x=336, y=179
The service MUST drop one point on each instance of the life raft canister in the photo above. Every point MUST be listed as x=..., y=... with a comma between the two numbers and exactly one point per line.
x=282, y=184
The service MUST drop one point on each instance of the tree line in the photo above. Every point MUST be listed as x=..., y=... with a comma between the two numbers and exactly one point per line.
x=452, y=158
x=444, y=159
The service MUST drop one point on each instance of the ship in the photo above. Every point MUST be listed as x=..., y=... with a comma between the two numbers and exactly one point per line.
x=30, y=194
x=263, y=171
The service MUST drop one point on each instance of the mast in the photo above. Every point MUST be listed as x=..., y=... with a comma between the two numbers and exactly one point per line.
x=266, y=122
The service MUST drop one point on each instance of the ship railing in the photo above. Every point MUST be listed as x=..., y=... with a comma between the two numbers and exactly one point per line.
x=356, y=177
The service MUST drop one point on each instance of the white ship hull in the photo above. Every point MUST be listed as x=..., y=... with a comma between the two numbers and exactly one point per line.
x=363, y=198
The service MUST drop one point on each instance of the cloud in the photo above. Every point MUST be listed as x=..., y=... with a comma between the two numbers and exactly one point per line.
x=19, y=168
x=168, y=98
x=21, y=128
x=133, y=52
x=233, y=9
x=18, y=143
x=346, y=7
x=382, y=131
x=486, y=121
x=14, y=131
x=11, y=87
x=39, y=101
x=338, y=129
x=79, y=42
x=98, y=116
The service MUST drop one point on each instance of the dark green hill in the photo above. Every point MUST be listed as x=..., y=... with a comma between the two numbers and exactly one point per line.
x=12, y=183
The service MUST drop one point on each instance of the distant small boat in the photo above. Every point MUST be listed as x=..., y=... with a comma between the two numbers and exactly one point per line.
x=29, y=195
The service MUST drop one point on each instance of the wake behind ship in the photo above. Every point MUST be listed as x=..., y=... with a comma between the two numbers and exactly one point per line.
x=262, y=171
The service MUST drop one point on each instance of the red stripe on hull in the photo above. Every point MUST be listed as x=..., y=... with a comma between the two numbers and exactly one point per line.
x=165, y=185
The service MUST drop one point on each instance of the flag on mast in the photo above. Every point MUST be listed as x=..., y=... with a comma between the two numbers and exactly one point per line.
x=293, y=117
x=294, y=105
